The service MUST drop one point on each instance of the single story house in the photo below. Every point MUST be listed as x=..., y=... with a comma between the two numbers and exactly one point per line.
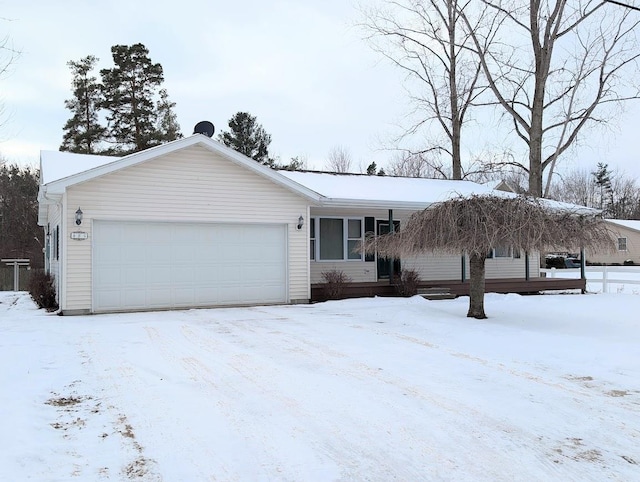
x=193, y=223
x=626, y=235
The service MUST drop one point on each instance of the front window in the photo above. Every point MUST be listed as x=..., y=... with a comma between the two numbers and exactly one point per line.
x=622, y=244
x=312, y=239
x=502, y=252
x=354, y=237
x=335, y=239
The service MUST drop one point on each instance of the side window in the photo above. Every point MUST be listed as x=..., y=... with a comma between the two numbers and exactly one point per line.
x=354, y=236
x=312, y=239
x=56, y=243
x=622, y=244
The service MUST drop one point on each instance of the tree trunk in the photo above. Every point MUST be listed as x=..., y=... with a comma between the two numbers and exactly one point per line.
x=476, y=286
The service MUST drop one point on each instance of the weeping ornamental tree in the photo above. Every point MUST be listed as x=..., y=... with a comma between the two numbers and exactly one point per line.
x=475, y=225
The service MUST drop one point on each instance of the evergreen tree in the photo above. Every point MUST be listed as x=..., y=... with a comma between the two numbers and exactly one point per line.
x=20, y=235
x=168, y=127
x=83, y=132
x=602, y=179
x=247, y=137
x=129, y=97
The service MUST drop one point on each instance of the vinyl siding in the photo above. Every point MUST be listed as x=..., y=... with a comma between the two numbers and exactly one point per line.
x=54, y=215
x=192, y=185
x=429, y=266
x=632, y=252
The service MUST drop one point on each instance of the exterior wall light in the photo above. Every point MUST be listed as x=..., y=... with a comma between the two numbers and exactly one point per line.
x=300, y=222
x=79, y=216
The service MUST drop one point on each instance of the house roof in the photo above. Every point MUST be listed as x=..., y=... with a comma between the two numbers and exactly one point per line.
x=60, y=170
x=359, y=190
x=626, y=223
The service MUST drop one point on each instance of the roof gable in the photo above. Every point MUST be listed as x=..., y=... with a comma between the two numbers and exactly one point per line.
x=61, y=169
x=626, y=223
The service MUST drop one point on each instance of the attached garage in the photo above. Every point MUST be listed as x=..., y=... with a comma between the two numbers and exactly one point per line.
x=163, y=265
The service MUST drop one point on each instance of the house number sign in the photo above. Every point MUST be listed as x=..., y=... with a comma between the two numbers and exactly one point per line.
x=79, y=235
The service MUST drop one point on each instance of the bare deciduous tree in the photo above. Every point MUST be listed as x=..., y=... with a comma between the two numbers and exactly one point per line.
x=429, y=41
x=339, y=159
x=474, y=225
x=407, y=164
x=621, y=199
x=555, y=67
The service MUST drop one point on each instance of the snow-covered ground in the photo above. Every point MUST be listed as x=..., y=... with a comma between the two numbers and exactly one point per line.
x=547, y=388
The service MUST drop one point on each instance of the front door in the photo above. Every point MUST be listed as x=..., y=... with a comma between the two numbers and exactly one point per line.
x=383, y=263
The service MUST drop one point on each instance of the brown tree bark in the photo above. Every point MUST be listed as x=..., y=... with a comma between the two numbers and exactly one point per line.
x=476, y=286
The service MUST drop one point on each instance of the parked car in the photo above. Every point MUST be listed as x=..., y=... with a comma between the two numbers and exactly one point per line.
x=562, y=260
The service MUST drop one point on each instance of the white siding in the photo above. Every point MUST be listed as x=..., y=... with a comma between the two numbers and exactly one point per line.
x=54, y=215
x=192, y=185
x=430, y=267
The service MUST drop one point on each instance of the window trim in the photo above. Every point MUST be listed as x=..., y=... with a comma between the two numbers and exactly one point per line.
x=625, y=244
x=345, y=239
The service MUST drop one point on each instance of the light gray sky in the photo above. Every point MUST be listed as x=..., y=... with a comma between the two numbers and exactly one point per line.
x=300, y=66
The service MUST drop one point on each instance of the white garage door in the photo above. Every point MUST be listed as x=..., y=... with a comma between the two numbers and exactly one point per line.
x=149, y=265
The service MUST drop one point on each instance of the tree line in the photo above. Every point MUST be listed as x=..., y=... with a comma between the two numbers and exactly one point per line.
x=126, y=111
x=549, y=69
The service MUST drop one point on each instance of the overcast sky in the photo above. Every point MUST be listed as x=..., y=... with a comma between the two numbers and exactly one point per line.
x=301, y=67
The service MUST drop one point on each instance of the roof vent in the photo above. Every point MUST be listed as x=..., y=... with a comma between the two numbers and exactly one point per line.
x=204, y=127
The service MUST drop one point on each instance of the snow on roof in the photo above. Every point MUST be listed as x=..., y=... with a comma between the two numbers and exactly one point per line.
x=631, y=224
x=56, y=165
x=404, y=190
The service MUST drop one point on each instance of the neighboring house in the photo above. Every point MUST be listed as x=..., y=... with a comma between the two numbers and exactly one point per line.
x=627, y=243
x=193, y=223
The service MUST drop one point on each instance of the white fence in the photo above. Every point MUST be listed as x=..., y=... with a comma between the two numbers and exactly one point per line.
x=604, y=279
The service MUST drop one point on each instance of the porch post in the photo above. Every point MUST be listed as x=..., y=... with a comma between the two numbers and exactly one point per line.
x=391, y=230
x=583, y=270
x=526, y=265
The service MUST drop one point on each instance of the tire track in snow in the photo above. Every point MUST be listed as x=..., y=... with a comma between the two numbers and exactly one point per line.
x=364, y=372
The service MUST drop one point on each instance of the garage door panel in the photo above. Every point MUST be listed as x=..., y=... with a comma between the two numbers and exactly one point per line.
x=141, y=265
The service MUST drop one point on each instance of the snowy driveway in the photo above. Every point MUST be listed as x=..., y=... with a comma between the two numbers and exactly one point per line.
x=376, y=389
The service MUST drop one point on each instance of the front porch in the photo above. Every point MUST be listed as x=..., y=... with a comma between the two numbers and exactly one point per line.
x=458, y=288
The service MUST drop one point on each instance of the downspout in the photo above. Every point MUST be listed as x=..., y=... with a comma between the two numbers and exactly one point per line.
x=526, y=265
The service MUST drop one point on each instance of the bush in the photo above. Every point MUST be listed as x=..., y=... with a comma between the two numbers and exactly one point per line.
x=407, y=282
x=629, y=262
x=334, y=283
x=43, y=290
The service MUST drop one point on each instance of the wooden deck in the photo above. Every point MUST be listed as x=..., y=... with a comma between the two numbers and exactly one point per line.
x=506, y=285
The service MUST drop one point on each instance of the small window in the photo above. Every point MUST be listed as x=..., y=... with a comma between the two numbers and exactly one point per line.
x=312, y=239
x=354, y=237
x=622, y=244
x=500, y=252
x=56, y=243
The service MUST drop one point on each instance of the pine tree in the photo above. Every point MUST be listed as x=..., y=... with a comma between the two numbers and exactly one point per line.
x=602, y=179
x=20, y=235
x=167, y=125
x=83, y=132
x=129, y=93
x=247, y=137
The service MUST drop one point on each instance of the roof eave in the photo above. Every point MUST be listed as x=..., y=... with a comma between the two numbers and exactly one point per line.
x=374, y=204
